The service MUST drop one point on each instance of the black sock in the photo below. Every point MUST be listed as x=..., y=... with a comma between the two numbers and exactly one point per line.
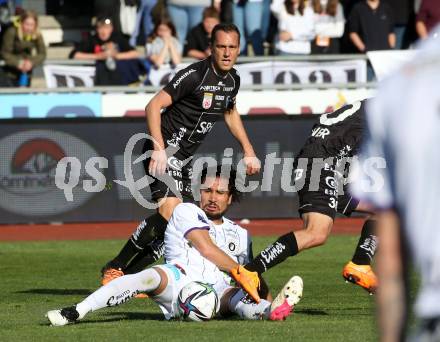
x=149, y=230
x=279, y=251
x=145, y=258
x=366, y=247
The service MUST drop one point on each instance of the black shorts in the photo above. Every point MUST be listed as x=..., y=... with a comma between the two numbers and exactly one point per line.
x=322, y=195
x=177, y=182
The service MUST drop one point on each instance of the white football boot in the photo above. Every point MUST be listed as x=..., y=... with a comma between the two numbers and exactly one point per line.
x=63, y=316
x=288, y=297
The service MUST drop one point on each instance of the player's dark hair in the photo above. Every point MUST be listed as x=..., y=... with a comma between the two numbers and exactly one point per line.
x=225, y=27
x=226, y=172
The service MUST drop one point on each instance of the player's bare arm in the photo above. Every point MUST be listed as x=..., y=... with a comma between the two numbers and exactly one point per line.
x=153, y=109
x=391, y=293
x=249, y=281
x=201, y=241
x=235, y=126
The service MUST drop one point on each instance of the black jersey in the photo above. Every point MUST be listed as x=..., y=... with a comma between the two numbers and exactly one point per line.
x=200, y=96
x=337, y=134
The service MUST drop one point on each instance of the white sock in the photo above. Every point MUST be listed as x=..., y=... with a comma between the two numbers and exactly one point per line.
x=119, y=291
x=246, y=308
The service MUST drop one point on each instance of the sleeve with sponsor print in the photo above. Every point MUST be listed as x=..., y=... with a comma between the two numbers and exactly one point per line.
x=372, y=173
x=188, y=217
x=184, y=82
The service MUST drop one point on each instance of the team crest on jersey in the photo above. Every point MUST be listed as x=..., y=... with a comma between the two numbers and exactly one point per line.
x=207, y=100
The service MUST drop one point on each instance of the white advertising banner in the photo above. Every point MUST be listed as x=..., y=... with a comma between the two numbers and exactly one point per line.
x=276, y=72
x=386, y=62
x=58, y=76
x=251, y=102
x=302, y=72
x=272, y=72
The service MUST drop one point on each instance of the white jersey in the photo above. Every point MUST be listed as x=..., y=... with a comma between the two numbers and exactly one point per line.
x=229, y=237
x=404, y=129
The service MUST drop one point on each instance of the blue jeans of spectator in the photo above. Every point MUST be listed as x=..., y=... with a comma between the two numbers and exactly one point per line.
x=399, y=31
x=185, y=18
x=265, y=20
x=248, y=18
x=143, y=18
x=371, y=75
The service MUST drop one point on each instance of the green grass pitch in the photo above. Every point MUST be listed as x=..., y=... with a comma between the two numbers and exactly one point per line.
x=40, y=276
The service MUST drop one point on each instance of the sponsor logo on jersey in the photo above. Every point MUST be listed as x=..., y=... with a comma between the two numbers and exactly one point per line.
x=28, y=167
x=228, y=89
x=207, y=100
x=182, y=77
x=331, y=182
x=210, y=88
x=175, y=140
x=320, y=132
x=205, y=127
x=232, y=246
x=219, y=97
x=221, y=84
x=175, y=163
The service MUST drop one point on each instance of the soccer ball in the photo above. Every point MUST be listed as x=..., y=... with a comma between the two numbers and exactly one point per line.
x=197, y=301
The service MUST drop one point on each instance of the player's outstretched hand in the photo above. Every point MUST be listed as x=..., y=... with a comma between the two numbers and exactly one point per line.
x=249, y=281
x=158, y=163
x=252, y=163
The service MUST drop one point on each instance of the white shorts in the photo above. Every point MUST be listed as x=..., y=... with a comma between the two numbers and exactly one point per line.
x=167, y=299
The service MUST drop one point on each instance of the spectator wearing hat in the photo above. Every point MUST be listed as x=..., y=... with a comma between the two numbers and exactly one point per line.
x=109, y=49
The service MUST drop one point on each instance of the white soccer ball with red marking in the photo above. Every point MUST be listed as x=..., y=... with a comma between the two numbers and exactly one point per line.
x=197, y=301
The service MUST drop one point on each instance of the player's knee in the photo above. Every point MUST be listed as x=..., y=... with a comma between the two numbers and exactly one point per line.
x=316, y=237
x=319, y=239
x=167, y=207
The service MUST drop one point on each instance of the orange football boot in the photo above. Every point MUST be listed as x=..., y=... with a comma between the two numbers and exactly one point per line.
x=361, y=275
x=249, y=281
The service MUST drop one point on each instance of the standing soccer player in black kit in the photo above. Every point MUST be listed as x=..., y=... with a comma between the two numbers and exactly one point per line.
x=321, y=171
x=192, y=102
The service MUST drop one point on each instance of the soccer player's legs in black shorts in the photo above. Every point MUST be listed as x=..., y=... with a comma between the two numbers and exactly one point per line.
x=145, y=245
x=327, y=197
x=322, y=194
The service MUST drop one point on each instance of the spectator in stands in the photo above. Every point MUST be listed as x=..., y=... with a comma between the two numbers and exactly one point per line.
x=23, y=49
x=266, y=20
x=197, y=42
x=163, y=46
x=427, y=17
x=109, y=9
x=329, y=26
x=186, y=14
x=248, y=16
x=109, y=49
x=225, y=9
x=144, y=19
x=296, y=26
x=371, y=26
x=404, y=20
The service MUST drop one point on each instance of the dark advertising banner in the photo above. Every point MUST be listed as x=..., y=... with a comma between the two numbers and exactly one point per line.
x=95, y=185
